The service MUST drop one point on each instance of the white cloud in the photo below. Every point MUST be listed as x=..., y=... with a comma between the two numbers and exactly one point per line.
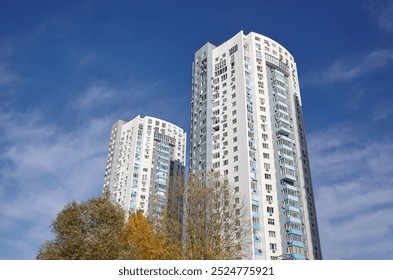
x=382, y=12
x=352, y=178
x=349, y=68
x=385, y=19
x=6, y=76
x=383, y=110
x=42, y=168
x=96, y=94
x=99, y=94
x=153, y=97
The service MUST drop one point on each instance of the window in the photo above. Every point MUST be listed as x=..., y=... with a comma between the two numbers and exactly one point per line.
x=265, y=155
x=236, y=168
x=268, y=176
x=233, y=50
x=235, y=158
x=268, y=187
x=235, y=149
x=270, y=210
x=270, y=221
x=273, y=246
x=269, y=198
x=236, y=179
x=272, y=233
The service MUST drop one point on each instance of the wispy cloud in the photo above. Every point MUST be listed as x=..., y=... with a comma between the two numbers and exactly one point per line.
x=382, y=12
x=349, y=68
x=383, y=111
x=150, y=97
x=96, y=94
x=7, y=76
x=43, y=168
x=44, y=165
x=385, y=19
x=352, y=177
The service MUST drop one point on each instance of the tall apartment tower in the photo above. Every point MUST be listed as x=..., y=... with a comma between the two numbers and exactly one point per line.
x=247, y=123
x=143, y=154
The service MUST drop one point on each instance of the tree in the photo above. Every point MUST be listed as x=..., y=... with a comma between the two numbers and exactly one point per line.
x=213, y=217
x=147, y=242
x=205, y=219
x=89, y=230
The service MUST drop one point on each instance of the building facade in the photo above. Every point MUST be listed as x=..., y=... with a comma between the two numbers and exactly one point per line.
x=247, y=123
x=143, y=154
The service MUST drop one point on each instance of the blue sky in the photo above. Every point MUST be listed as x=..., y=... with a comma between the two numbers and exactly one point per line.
x=69, y=69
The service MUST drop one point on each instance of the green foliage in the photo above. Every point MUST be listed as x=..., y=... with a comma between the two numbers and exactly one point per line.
x=205, y=220
x=89, y=230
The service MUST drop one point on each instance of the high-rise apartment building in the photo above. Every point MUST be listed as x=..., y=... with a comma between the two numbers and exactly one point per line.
x=247, y=123
x=143, y=154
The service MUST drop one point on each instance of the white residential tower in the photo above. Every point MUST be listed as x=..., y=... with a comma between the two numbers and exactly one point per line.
x=143, y=154
x=247, y=123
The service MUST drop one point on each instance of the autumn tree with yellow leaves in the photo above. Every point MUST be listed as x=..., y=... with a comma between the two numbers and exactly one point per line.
x=214, y=224
x=204, y=220
x=142, y=235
